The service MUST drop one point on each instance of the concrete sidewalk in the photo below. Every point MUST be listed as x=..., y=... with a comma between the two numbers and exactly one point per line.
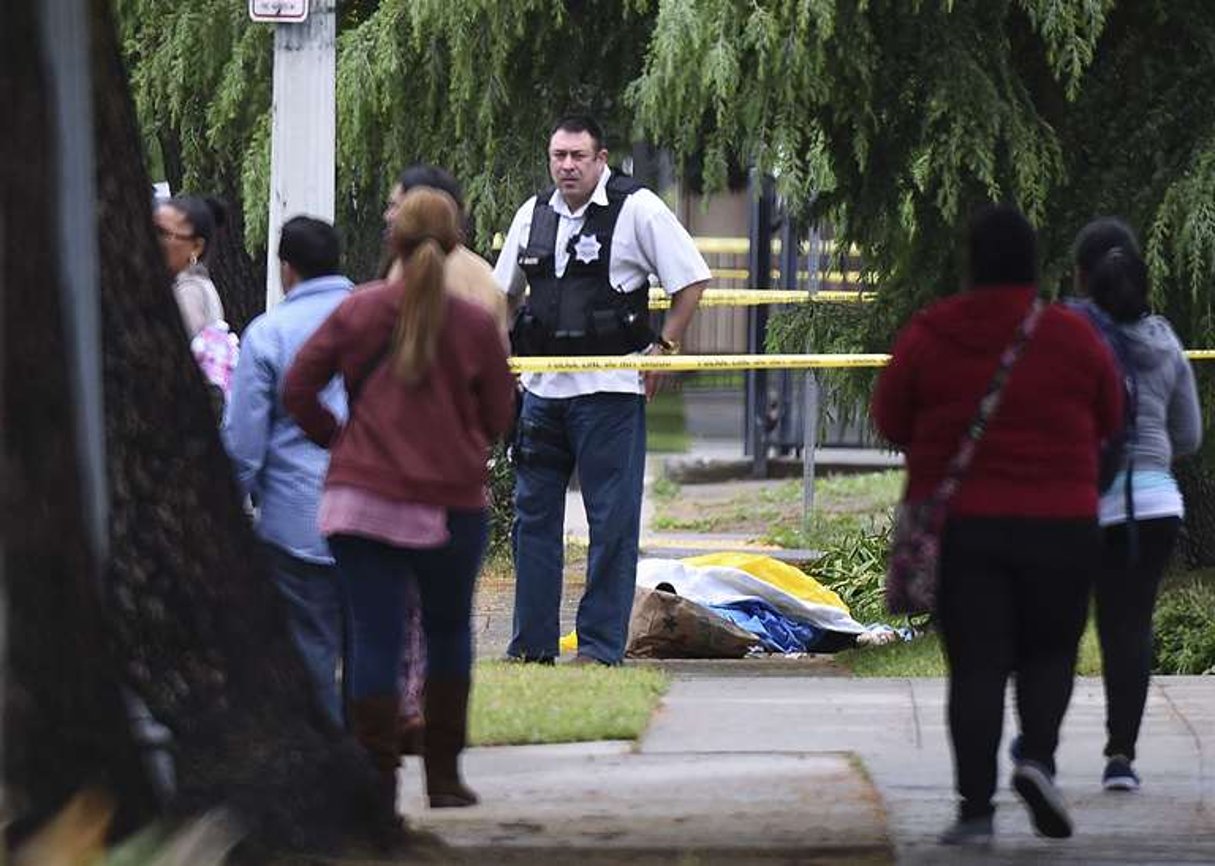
x=809, y=769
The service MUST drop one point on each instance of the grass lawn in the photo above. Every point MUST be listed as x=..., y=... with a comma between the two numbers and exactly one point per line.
x=773, y=511
x=923, y=657
x=523, y=704
x=665, y=424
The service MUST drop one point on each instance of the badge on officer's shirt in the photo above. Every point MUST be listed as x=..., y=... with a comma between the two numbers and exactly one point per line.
x=587, y=249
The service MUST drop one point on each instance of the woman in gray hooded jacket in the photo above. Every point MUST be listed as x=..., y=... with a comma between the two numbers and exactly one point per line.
x=1141, y=511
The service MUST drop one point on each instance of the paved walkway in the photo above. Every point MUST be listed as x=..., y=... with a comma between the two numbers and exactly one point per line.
x=810, y=769
x=789, y=762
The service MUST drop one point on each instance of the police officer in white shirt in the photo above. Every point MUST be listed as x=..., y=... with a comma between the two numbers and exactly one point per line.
x=587, y=248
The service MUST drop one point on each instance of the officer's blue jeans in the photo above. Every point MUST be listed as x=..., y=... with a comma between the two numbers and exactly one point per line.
x=316, y=616
x=375, y=576
x=603, y=435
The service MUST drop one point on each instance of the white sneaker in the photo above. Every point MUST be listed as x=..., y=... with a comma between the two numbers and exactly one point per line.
x=1043, y=799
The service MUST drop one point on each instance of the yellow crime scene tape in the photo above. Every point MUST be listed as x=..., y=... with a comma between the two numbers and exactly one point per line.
x=742, y=246
x=671, y=363
x=659, y=300
x=680, y=363
x=725, y=246
x=845, y=277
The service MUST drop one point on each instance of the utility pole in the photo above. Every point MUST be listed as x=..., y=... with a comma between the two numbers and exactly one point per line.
x=303, y=150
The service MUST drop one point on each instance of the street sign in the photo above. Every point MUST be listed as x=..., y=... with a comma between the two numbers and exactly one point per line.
x=279, y=11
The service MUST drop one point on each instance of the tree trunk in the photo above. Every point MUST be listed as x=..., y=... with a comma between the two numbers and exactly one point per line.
x=241, y=283
x=1197, y=482
x=62, y=702
x=170, y=156
x=201, y=627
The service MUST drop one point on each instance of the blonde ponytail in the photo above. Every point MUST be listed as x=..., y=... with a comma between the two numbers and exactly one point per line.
x=426, y=230
x=417, y=333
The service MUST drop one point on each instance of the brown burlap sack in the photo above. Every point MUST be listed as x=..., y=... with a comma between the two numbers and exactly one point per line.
x=666, y=626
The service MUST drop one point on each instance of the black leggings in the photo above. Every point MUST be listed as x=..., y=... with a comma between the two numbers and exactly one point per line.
x=1126, y=598
x=1013, y=601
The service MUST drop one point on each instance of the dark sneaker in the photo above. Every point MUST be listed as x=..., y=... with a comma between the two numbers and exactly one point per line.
x=1045, y=802
x=527, y=660
x=968, y=832
x=1119, y=775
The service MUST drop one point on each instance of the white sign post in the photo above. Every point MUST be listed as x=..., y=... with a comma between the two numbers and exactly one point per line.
x=303, y=152
x=279, y=11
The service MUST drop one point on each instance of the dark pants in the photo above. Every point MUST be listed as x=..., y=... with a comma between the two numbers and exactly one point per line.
x=1013, y=602
x=604, y=436
x=315, y=614
x=1126, y=598
x=376, y=577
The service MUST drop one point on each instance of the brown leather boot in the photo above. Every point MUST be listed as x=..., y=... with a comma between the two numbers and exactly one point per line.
x=373, y=721
x=411, y=732
x=446, y=734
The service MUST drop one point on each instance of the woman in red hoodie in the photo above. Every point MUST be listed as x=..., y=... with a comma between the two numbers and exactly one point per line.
x=429, y=391
x=1020, y=543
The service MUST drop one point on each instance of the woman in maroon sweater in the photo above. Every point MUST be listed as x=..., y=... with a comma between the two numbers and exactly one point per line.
x=1021, y=542
x=429, y=391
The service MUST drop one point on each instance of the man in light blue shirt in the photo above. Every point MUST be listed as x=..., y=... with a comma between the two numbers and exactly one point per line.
x=276, y=464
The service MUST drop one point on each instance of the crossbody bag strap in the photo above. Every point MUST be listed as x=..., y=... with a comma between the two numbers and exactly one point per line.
x=987, y=406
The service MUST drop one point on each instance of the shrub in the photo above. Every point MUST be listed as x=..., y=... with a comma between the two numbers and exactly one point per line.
x=1185, y=630
x=854, y=566
x=501, y=501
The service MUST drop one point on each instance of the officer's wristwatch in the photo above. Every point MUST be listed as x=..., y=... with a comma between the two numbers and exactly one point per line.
x=667, y=347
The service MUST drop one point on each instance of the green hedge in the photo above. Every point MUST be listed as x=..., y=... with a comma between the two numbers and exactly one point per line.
x=1185, y=630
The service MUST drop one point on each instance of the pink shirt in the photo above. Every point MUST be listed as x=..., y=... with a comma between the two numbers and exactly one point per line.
x=353, y=511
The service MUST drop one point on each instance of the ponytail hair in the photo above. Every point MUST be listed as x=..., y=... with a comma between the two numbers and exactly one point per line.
x=426, y=230
x=1119, y=285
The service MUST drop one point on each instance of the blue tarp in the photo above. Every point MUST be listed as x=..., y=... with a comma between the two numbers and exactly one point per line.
x=778, y=632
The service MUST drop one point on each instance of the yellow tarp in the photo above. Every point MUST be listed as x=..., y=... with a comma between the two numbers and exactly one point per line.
x=772, y=571
x=781, y=575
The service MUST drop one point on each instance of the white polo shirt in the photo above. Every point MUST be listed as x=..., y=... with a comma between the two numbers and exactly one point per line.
x=648, y=240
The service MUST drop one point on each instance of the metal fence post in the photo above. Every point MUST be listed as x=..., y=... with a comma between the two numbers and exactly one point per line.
x=760, y=265
x=810, y=386
x=809, y=444
x=790, y=243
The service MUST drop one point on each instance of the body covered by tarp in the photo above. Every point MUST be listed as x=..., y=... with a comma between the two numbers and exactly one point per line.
x=663, y=625
x=724, y=578
x=777, y=632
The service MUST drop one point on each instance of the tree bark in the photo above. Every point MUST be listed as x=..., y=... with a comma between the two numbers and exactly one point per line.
x=170, y=156
x=1197, y=482
x=62, y=701
x=241, y=283
x=199, y=623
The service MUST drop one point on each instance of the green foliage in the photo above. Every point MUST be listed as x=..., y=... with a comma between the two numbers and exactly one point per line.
x=900, y=117
x=501, y=503
x=664, y=489
x=922, y=657
x=472, y=85
x=200, y=74
x=833, y=328
x=925, y=657
x=847, y=508
x=1185, y=630
x=893, y=118
x=855, y=568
